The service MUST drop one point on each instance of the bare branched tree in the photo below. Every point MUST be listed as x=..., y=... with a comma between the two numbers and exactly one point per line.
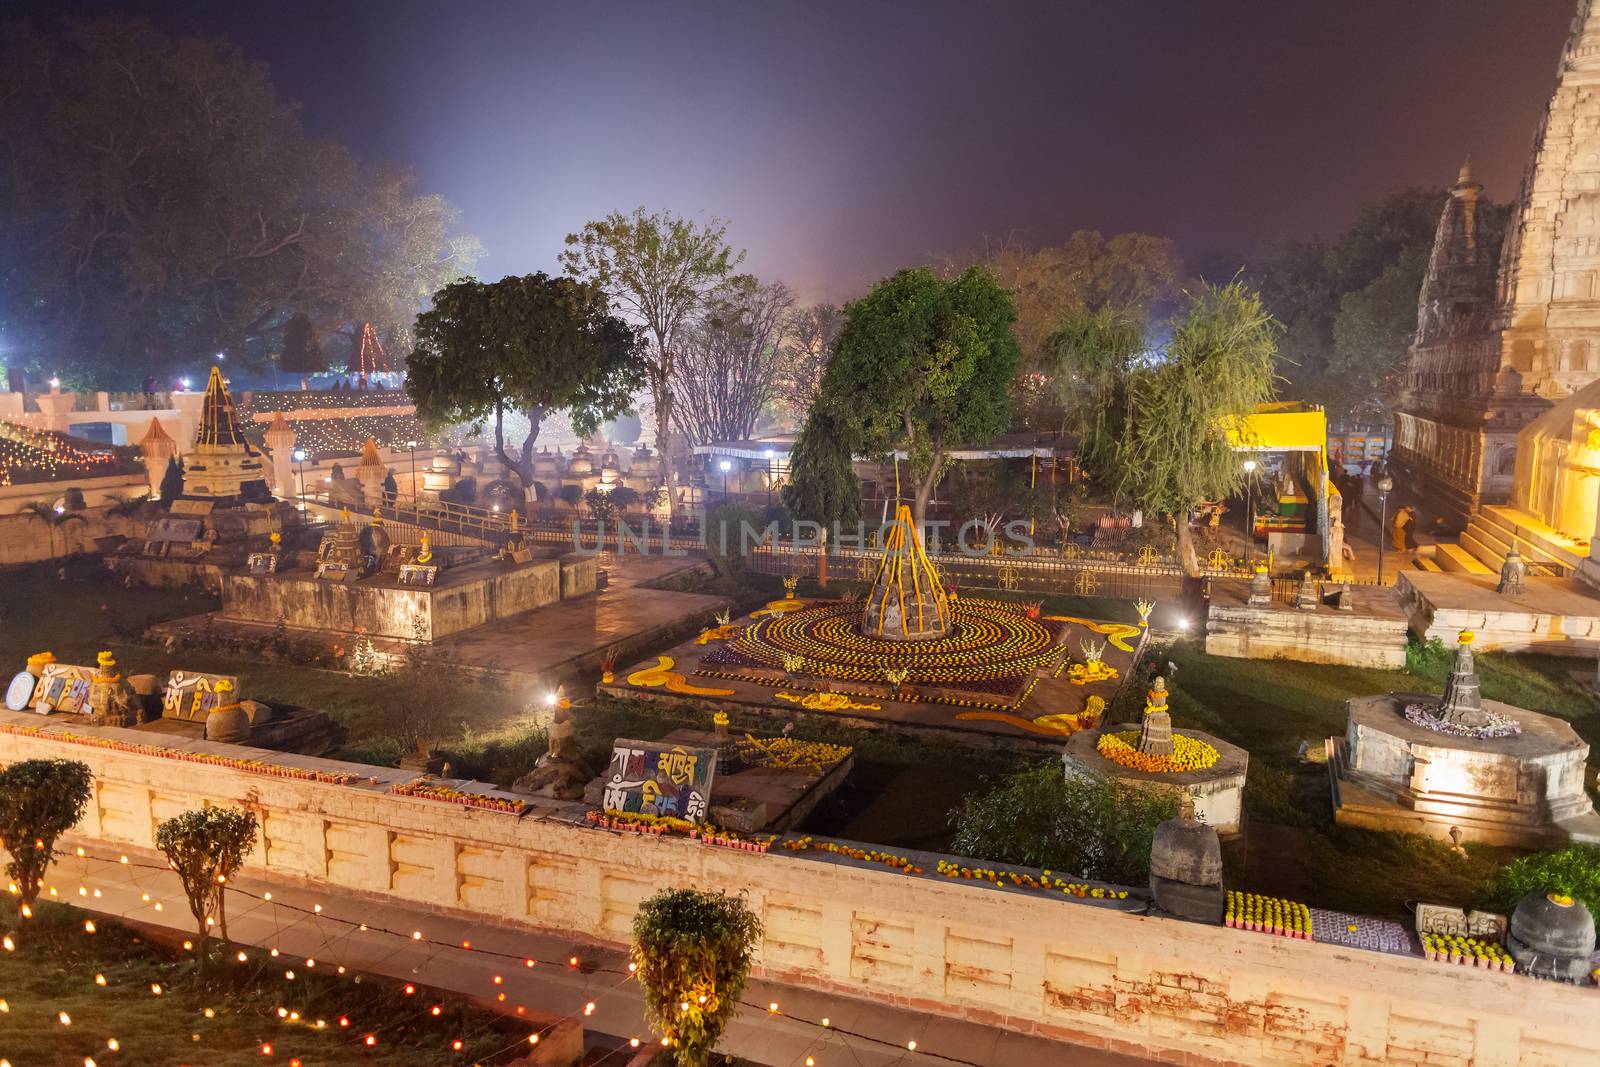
x=728, y=363
x=813, y=332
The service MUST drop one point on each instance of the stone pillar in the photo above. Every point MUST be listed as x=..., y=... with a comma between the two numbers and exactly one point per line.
x=280, y=443
x=56, y=407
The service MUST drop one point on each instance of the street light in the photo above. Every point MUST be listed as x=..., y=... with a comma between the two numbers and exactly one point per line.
x=725, y=466
x=1385, y=484
x=771, y=453
x=1250, y=511
x=413, y=446
x=299, y=456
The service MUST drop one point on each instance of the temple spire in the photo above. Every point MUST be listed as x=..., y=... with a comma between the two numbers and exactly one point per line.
x=217, y=425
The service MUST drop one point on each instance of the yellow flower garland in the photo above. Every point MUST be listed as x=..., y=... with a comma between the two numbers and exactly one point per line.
x=1188, y=753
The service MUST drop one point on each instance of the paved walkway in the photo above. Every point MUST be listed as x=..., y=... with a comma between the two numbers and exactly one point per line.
x=598, y=992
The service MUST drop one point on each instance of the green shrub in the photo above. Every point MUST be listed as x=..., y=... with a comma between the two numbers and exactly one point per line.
x=692, y=951
x=40, y=799
x=1094, y=828
x=1574, y=870
x=1426, y=659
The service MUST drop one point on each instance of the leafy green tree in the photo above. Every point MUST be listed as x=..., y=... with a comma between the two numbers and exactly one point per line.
x=1371, y=334
x=302, y=349
x=172, y=481
x=691, y=953
x=1089, y=827
x=533, y=344
x=923, y=365
x=40, y=799
x=1574, y=870
x=1154, y=425
x=823, y=487
x=658, y=269
x=601, y=505
x=205, y=848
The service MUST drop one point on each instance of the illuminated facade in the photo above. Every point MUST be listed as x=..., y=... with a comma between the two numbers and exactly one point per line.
x=222, y=465
x=1496, y=347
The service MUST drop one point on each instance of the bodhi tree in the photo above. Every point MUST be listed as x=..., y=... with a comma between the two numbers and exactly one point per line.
x=691, y=953
x=1157, y=427
x=923, y=365
x=658, y=269
x=534, y=345
x=206, y=848
x=40, y=799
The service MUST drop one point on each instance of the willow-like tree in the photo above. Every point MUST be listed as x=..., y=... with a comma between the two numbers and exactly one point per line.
x=40, y=799
x=691, y=953
x=1157, y=426
x=535, y=345
x=823, y=487
x=658, y=268
x=923, y=365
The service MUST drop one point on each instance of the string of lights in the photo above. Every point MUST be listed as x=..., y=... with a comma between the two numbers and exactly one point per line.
x=27, y=450
x=827, y=1034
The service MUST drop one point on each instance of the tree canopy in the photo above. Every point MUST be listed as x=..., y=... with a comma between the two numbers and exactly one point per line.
x=729, y=361
x=1153, y=422
x=162, y=203
x=532, y=344
x=658, y=269
x=40, y=799
x=924, y=365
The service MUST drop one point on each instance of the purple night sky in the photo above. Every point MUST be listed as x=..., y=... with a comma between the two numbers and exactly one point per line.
x=843, y=140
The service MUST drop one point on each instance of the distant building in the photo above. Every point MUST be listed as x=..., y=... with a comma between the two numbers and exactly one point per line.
x=1497, y=346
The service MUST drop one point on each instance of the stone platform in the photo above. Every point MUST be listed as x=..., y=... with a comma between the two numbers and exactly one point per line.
x=463, y=598
x=1389, y=773
x=1218, y=791
x=1373, y=634
x=1551, y=615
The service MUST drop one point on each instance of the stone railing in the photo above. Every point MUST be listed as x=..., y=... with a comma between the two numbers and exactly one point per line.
x=1162, y=989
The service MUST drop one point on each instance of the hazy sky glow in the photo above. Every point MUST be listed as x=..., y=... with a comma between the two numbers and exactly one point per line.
x=843, y=140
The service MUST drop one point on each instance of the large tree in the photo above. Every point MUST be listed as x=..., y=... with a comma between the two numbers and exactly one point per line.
x=808, y=345
x=161, y=203
x=657, y=268
x=923, y=365
x=728, y=365
x=531, y=344
x=1154, y=424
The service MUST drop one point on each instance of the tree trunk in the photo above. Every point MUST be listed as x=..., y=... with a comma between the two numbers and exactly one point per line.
x=661, y=390
x=922, y=494
x=522, y=465
x=1186, y=553
x=222, y=913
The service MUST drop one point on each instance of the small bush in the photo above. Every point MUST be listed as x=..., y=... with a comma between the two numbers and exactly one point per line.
x=1094, y=828
x=1426, y=659
x=692, y=951
x=1574, y=870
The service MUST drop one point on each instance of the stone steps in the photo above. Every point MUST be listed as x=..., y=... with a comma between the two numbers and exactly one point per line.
x=1495, y=528
x=1456, y=558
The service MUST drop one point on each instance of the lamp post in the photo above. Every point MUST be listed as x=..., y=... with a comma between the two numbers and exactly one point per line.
x=1250, y=512
x=725, y=466
x=299, y=455
x=770, y=454
x=413, y=446
x=1385, y=484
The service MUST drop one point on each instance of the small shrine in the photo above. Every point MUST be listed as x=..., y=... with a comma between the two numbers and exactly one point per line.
x=223, y=466
x=907, y=601
x=1206, y=770
x=1461, y=766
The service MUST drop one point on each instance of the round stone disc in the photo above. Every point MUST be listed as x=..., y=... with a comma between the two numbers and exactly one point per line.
x=20, y=691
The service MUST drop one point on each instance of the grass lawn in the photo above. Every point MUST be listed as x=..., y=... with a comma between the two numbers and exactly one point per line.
x=54, y=967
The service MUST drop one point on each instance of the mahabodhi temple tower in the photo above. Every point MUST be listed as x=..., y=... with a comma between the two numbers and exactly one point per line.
x=1495, y=347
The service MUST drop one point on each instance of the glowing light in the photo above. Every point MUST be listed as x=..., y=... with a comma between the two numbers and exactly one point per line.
x=911, y=1046
x=588, y=1009
x=633, y=1042
x=88, y=926
x=725, y=466
x=533, y=1039
x=63, y=1018
x=370, y=1040
x=99, y=979
x=155, y=989
x=113, y=1044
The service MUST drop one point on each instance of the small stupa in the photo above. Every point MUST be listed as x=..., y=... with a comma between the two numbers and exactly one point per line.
x=1155, y=730
x=1462, y=705
x=907, y=601
x=223, y=466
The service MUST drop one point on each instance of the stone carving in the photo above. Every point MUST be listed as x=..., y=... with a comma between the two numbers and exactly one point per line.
x=1260, y=587
x=559, y=773
x=1186, y=868
x=1513, y=573
x=1552, y=936
x=1155, y=731
x=111, y=700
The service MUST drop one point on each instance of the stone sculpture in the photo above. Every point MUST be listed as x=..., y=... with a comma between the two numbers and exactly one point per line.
x=1552, y=936
x=1186, y=868
x=1513, y=574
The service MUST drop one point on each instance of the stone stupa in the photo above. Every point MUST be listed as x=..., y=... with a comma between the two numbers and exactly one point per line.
x=907, y=601
x=223, y=466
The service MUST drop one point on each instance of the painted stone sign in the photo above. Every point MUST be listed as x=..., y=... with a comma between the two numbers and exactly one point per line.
x=60, y=687
x=192, y=695
x=1440, y=919
x=653, y=779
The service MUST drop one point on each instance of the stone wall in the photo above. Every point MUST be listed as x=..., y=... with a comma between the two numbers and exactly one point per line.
x=26, y=539
x=470, y=596
x=1164, y=989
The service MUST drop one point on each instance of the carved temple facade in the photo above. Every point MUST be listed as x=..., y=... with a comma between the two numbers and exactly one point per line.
x=1498, y=343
